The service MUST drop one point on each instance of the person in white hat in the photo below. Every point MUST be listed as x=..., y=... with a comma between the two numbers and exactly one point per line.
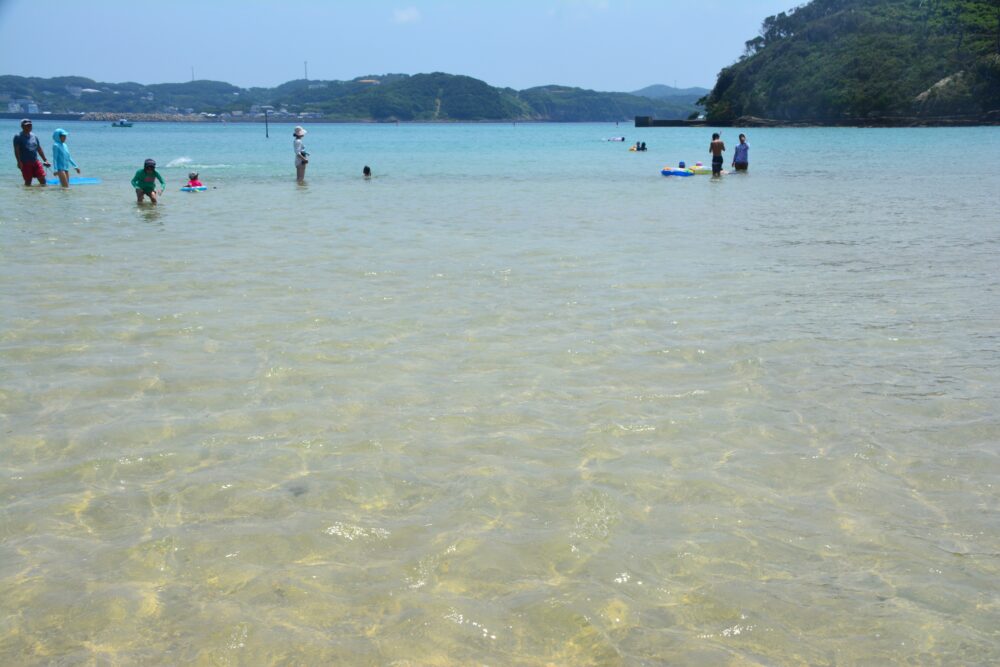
x=301, y=156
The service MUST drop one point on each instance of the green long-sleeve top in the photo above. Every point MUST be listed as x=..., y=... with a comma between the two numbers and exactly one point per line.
x=145, y=180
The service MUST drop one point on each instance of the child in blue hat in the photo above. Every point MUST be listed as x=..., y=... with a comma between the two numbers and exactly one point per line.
x=61, y=159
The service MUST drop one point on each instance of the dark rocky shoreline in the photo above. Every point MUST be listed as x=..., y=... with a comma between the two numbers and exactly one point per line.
x=991, y=118
x=988, y=119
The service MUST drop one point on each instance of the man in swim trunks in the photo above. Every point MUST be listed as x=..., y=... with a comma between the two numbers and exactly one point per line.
x=27, y=148
x=716, y=148
x=145, y=180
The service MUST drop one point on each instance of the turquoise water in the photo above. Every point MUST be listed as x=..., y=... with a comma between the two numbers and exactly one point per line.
x=519, y=399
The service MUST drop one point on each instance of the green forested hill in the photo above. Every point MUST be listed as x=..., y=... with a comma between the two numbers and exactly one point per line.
x=854, y=59
x=560, y=103
x=385, y=97
x=662, y=92
x=420, y=97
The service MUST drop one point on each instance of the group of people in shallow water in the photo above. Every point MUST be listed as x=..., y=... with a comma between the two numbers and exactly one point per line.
x=28, y=149
x=302, y=156
x=145, y=180
x=741, y=155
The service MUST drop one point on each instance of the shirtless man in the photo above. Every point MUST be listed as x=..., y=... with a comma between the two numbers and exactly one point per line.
x=716, y=148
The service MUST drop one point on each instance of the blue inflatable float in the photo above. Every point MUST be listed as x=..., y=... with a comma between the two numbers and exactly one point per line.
x=680, y=170
x=76, y=180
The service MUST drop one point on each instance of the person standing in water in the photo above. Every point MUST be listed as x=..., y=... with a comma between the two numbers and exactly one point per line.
x=716, y=148
x=301, y=156
x=741, y=155
x=27, y=148
x=61, y=159
x=145, y=180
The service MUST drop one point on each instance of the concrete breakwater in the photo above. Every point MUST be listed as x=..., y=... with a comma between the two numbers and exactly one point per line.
x=43, y=116
x=145, y=117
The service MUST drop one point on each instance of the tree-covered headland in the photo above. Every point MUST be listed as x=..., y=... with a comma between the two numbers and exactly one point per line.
x=835, y=60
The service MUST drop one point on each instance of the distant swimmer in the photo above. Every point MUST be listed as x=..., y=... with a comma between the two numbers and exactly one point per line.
x=716, y=148
x=145, y=180
x=615, y=139
x=741, y=155
x=367, y=172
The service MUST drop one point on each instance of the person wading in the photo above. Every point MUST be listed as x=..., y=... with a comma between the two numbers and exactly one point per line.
x=27, y=148
x=301, y=156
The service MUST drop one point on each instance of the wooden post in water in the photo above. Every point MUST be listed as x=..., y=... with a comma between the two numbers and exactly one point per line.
x=267, y=134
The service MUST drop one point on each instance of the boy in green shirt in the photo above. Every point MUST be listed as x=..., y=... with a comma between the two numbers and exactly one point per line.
x=144, y=182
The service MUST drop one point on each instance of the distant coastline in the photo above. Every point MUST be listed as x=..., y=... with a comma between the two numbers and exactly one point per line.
x=986, y=120
x=384, y=98
x=110, y=117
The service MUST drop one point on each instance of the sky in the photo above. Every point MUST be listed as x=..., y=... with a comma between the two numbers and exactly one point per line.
x=607, y=45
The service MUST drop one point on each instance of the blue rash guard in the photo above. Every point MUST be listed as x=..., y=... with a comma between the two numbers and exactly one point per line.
x=61, y=159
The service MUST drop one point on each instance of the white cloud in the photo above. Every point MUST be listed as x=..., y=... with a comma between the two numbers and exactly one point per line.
x=407, y=15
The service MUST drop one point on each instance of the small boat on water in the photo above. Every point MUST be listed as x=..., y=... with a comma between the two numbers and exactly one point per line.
x=121, y=123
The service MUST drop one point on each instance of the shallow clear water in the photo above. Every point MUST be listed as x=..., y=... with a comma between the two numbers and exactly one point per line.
x=517, y=400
